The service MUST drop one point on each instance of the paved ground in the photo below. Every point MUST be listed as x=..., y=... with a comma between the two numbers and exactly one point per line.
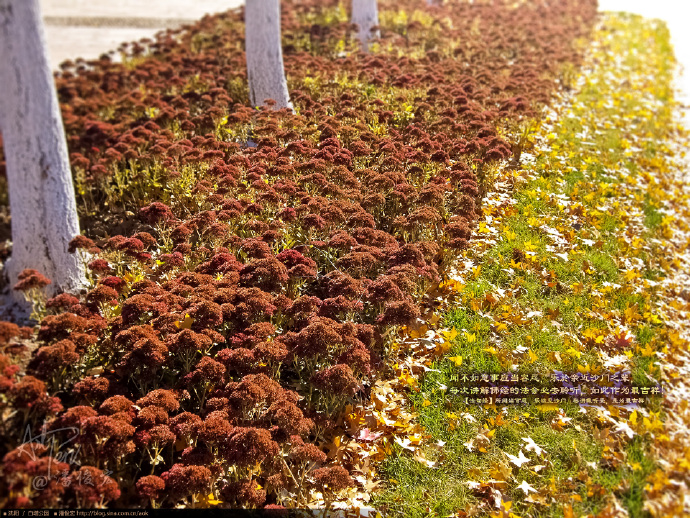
x=88, y=28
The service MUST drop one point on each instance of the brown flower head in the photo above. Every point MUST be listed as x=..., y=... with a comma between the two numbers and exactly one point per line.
x=31, y=279
x=338, y=379
x=335, y=478
x=182, y=481
x=90, y=487
x=249, y=446
x=150, y=487
x=165, y=399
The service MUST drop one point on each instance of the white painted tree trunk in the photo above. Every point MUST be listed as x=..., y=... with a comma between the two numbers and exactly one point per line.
x=42, y=203
x=365, y=14
x=264, y=50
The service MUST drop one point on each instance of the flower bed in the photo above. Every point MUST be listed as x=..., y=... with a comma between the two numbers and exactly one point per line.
x=267, y=259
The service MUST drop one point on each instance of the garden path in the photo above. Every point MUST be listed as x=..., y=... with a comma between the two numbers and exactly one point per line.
x=89, y=28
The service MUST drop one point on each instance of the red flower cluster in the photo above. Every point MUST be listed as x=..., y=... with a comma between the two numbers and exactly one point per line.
x=31, y=279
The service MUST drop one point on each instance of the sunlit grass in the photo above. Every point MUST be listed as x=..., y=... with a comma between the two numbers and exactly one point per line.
x=589, y=160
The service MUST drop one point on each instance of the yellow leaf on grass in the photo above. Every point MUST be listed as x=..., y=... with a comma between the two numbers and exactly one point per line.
x=418, y=332
x=501, y=471
x=458, y=287
x=647, y=350
x=475, y=473
x=652, y=318
x=652, y=424
x=443, y=347
x=410, y=380
x=633, y=417
x=574, y=353
x=500, y=326
x=532, y=357
x=426, y=403
x=631, y=313
x=457, y=360
x=629, y=275
x=450, y=335
x=555, y=356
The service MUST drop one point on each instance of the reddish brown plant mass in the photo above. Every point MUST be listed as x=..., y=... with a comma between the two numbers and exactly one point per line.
x=273, y=255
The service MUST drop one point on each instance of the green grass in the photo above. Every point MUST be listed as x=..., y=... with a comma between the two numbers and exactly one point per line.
x=588, y=291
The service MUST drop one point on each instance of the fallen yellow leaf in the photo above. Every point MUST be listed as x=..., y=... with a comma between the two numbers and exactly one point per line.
x=457, y=360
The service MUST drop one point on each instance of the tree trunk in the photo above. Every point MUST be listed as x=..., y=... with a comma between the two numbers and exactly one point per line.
x=42, y=203
x=264, y=51
x=365, y=14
